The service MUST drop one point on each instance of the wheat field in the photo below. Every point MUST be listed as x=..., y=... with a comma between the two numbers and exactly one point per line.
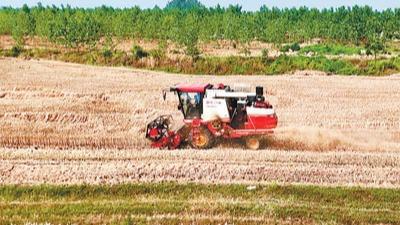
x=69, y=118
x=222, y=166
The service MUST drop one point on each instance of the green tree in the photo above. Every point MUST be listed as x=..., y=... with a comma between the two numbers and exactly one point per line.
x=78, y=30
x=183, y=4
x=6, y=20
x=24, y=24
x=84, y=27
x=188, y=36
x=375, y=46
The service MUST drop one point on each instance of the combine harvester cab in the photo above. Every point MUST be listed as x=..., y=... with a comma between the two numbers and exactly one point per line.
x=216, y=111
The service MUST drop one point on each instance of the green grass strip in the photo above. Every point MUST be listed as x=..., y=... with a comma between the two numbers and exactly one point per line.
x=172, y=203
x=332, y=49
x=233, y=65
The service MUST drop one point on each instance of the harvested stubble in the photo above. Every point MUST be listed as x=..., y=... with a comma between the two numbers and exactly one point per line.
x=54, y=104
x=82, y=114
x=29, y=166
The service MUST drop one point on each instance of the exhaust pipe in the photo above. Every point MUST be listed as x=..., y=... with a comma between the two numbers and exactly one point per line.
x=259, y=91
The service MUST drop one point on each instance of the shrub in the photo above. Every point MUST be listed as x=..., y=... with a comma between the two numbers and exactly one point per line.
x=264, y=53
x=107, y=53
x=16, y=51
x=285, y=48
x=138, y=52
x=294, y=47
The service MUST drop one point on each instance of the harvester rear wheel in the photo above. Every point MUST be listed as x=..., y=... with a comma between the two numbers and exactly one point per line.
x=253, y=143
x=204, y=139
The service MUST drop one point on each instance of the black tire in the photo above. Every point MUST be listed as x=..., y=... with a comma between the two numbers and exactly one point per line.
x=205, y=141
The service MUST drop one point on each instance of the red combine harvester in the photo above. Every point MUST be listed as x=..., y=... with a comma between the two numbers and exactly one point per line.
x=212, y=111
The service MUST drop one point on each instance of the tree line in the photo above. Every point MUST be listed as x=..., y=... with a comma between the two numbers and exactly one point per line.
x=84, y=27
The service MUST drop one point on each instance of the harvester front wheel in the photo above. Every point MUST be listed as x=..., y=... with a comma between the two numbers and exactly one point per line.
x=202, y=140
x=253, y=143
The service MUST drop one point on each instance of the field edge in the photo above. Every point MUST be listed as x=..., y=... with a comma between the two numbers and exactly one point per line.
x=174, y=203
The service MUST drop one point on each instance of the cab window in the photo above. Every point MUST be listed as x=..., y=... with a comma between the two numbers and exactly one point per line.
x=191, y=104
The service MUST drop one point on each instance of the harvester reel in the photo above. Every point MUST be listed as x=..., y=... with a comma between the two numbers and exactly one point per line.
x=161, y=124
